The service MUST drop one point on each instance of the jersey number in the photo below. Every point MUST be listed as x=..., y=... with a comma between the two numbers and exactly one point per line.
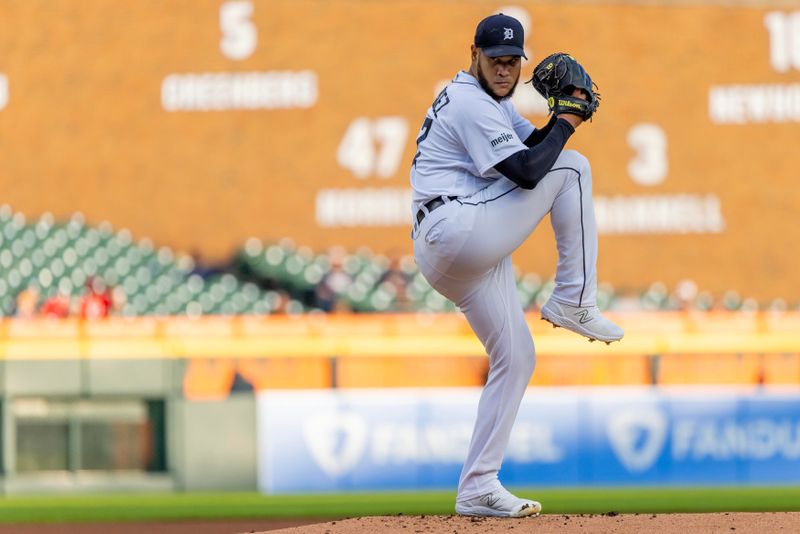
x=424, y=131
x=441, y=101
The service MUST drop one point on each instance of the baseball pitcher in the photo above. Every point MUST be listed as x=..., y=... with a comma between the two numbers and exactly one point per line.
x=483, y=177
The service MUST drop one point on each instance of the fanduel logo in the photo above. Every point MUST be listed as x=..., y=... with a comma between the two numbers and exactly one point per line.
x=724, y=439
x=339, y=442
x=637, y=437
x=396, y=443
x=336, y=441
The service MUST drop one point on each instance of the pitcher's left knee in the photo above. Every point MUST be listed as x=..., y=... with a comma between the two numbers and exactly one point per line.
x=575, y=160
x=580, y=167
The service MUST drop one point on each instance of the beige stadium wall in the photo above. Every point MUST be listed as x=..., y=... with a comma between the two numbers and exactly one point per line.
x=200, y=123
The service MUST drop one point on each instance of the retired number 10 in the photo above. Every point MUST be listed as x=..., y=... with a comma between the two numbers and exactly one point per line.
x=784, y=40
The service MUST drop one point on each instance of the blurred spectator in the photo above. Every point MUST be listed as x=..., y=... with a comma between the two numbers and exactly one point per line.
x=56, y=306
x=27, y=302
x=278, y=301
x=397, y=278
x=118, y=299
x=341, y=305
x=203, y=267
x=96, y=303
x=331, y=288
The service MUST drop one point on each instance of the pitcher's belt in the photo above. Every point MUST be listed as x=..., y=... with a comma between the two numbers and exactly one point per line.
x=432, y=205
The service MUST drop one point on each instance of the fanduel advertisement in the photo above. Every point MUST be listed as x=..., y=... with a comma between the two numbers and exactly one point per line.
x=416, y=439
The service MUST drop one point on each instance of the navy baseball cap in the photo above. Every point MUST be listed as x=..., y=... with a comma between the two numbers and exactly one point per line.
x=500, y=35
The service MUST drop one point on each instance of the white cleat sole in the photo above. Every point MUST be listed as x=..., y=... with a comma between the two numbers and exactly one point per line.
x=530, y=508
x=591, y=338
x=575, y=326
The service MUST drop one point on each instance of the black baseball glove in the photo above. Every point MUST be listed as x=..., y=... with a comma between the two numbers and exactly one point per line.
x=557, y=77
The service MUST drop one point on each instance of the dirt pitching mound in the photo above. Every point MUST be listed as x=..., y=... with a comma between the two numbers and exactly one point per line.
x=728, y=523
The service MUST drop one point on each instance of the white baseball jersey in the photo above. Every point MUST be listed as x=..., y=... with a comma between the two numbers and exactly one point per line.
x=463, y=247
x=464, y=135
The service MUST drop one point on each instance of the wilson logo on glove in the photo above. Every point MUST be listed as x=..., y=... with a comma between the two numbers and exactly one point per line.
x=557, y=77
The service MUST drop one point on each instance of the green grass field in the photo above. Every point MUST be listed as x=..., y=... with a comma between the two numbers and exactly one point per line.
x=173, y=506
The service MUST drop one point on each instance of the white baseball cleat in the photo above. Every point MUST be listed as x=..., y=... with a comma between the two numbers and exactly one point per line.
x=586, y=321
x=499, y=503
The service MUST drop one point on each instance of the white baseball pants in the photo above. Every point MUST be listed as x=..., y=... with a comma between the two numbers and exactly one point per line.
x=464, y=251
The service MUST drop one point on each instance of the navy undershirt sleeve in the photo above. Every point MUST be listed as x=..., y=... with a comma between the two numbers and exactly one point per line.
x=538, y=135
x=527, y=167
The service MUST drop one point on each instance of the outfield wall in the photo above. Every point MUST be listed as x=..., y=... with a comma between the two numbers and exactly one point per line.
x=158, y=404
x=417, y=439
